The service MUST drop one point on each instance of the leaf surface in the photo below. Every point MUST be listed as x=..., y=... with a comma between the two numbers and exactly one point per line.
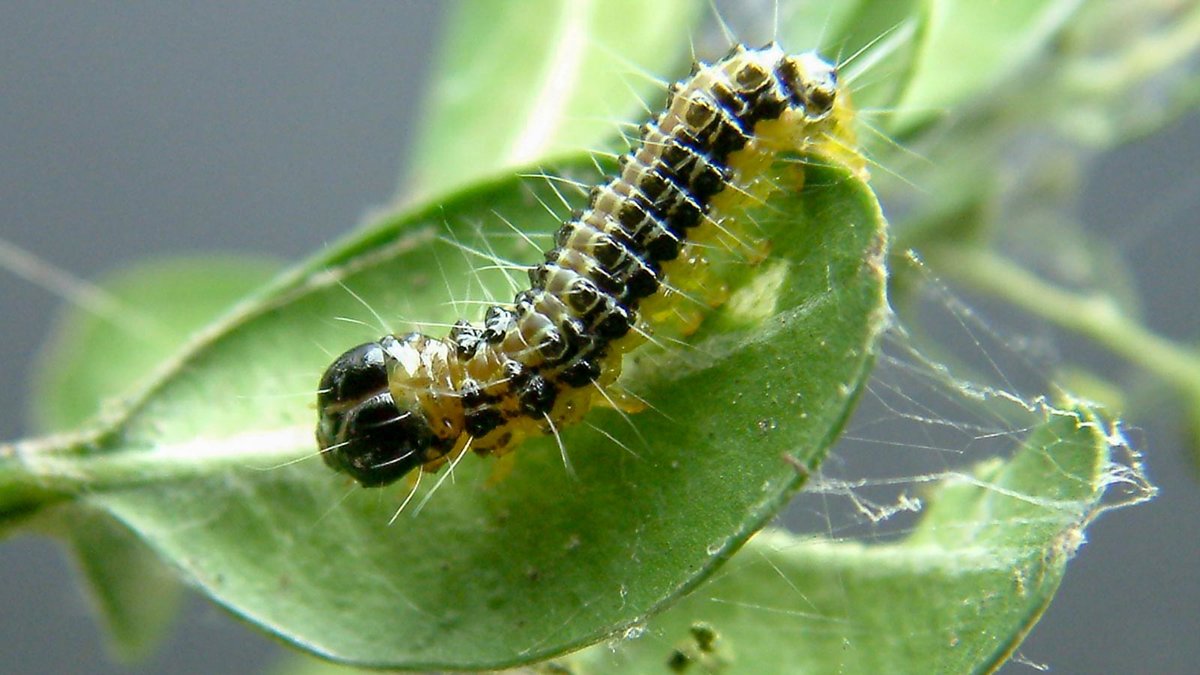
x=956, y=596
x=490, y=575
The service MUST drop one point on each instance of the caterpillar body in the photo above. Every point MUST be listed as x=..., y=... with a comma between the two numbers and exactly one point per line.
x=619, y=268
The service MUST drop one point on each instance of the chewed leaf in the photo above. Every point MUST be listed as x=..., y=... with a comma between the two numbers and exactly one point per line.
x=956, y=596
x=216, y=467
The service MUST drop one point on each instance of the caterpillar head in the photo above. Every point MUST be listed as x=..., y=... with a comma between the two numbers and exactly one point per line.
x=364, y=431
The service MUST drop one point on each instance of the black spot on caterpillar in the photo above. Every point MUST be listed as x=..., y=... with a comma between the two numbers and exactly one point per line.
x=539, y=364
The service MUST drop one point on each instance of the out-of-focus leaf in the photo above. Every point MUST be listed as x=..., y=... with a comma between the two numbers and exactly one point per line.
x=519, y=82
x=92, y=359
x=966, y=47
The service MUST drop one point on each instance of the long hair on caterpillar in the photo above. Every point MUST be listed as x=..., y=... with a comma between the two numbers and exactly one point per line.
x=635, y=259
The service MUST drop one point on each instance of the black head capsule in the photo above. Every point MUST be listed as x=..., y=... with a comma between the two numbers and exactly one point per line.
x=361, y=431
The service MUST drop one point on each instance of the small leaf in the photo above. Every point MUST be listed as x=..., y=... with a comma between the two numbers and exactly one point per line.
x=542, y=562
x=956, y=596
x=966, y=47
x=93, y=359
x=1127, y=70
x=518, y=82
x=136, y=594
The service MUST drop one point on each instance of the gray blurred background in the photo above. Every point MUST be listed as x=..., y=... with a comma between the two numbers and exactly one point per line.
x=128, y=132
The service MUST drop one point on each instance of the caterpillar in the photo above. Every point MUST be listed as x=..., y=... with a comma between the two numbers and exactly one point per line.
x=619, y=268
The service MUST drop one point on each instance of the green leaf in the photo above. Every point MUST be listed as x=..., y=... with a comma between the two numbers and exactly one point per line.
x=829, y=27
x=97, y=358
x=92, y=359
x=967, y=47
x=958, y=595
x=875, y=48
x=518, y=82
x=486, y=576
x=1127, y=70
x=136, y=594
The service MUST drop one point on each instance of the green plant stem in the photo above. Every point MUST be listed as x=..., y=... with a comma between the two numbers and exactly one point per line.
x=22, y=488
x=40, y=471
x=1097, y=316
